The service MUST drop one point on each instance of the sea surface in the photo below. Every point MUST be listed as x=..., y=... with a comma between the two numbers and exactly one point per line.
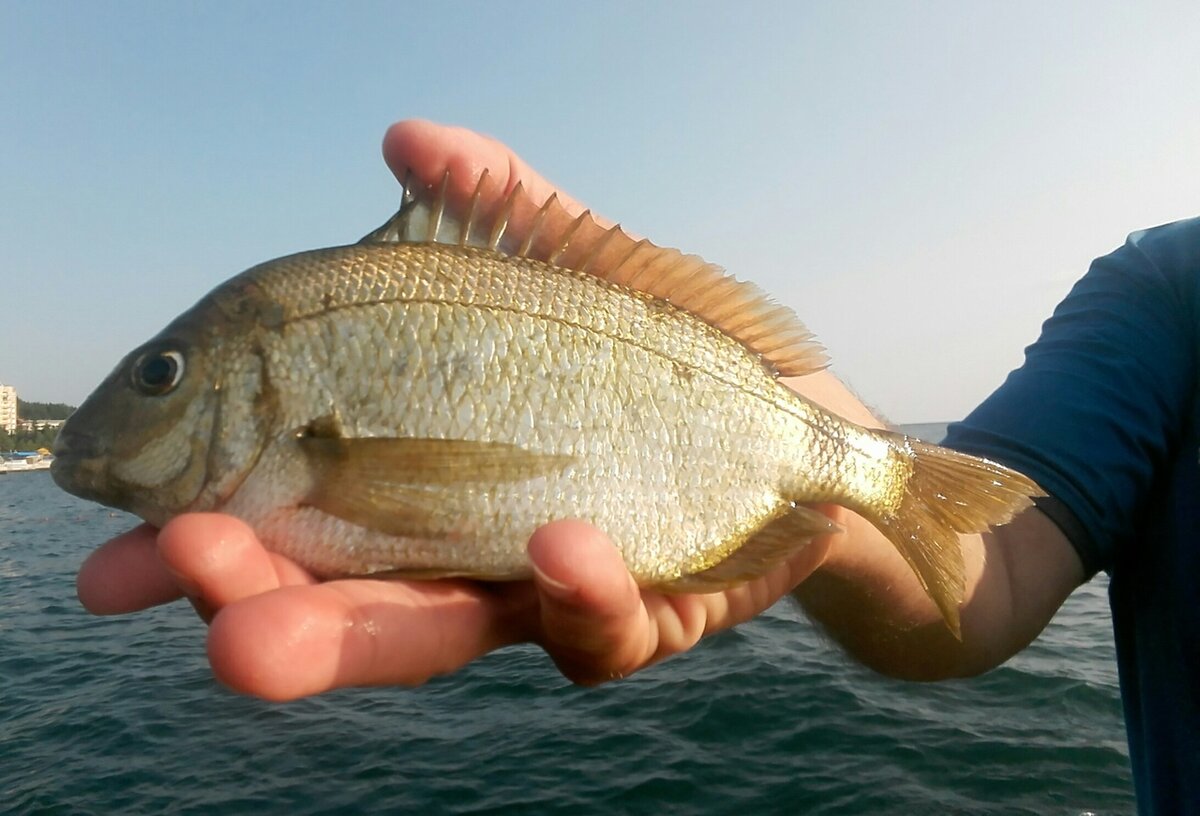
x=122, y=716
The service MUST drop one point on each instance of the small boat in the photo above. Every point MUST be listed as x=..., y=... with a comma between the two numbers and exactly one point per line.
x=23, y=462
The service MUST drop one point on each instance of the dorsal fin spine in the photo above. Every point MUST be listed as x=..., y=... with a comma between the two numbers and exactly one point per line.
x=613, y=276
x=679, y=282
x=439, y=206
x=658, y=264
x=406, y=192
x=599, y=247
x=752, y=328
x=683, y=273
x=715, y=293
x=537, y=223
x=464, y=236
x=502, y=219
x=553, y=257
x=664, y=274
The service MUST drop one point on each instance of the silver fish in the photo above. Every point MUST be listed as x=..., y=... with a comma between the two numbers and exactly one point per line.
x=420, y=401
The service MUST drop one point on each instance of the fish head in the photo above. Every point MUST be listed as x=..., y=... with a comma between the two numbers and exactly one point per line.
x=174, y=427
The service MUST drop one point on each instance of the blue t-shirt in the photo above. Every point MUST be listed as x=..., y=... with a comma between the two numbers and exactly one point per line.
x=1104, y=416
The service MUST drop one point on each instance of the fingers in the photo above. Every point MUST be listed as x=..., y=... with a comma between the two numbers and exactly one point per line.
x=593, y=622
x=125, y=575
x=218, y=560
x=304, y=640
x=430, y=149
x=211, y=558
x=597, y=625
x=277, y=634
x=297, y=641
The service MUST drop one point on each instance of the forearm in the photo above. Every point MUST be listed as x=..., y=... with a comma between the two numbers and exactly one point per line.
x=868, y=598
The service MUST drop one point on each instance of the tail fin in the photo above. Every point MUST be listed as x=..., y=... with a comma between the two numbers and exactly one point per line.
x=946, y=494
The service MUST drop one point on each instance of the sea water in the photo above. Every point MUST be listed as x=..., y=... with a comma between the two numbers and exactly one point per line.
x=121, y=715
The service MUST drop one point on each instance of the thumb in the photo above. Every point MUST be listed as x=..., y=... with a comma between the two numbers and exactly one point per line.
x=593, y=622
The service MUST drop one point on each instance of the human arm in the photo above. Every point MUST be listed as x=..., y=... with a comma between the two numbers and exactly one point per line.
x=867, y=597
x=1099, y=415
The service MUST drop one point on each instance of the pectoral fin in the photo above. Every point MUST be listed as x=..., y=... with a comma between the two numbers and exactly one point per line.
x=414, y=487
x=774, y=543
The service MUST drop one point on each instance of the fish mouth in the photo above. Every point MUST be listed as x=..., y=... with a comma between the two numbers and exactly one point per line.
x=79, y=465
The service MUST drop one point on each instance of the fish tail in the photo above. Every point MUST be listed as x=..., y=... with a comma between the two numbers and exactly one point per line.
x=947, y=493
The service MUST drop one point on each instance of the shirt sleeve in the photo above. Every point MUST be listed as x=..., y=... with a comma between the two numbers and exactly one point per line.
x=1097, y=410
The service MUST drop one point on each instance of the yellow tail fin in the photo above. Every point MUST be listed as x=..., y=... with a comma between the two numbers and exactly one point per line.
x=949, y=493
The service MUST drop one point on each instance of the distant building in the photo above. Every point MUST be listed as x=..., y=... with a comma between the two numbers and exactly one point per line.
x=8, y=408
x=38, y=424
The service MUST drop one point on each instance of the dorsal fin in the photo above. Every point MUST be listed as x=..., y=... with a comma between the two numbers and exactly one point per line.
x=516, y=225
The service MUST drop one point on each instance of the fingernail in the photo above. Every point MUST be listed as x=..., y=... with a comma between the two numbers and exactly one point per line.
x=555, y=589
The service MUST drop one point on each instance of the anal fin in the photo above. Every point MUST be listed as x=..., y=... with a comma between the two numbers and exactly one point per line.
x=777, y=541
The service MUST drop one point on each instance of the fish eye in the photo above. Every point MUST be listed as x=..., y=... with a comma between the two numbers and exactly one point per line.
x=158, y=372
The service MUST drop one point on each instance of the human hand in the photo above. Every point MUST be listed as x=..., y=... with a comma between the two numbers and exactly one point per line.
x=279, y=633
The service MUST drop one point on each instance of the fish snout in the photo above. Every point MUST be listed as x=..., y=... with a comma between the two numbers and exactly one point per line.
x=74, y=445
x=78, y=465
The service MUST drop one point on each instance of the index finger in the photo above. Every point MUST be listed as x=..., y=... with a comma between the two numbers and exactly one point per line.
x=125, y=574
x=429, y=150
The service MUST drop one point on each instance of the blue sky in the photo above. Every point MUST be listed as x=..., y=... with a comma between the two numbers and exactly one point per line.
x=922, y=182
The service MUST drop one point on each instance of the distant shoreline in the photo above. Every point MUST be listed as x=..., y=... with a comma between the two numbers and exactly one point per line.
x=926, y=431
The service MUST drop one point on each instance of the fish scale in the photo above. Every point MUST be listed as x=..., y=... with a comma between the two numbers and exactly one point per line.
x=546, y=354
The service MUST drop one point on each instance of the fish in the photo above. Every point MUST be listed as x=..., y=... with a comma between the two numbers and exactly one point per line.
x=417, y=403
